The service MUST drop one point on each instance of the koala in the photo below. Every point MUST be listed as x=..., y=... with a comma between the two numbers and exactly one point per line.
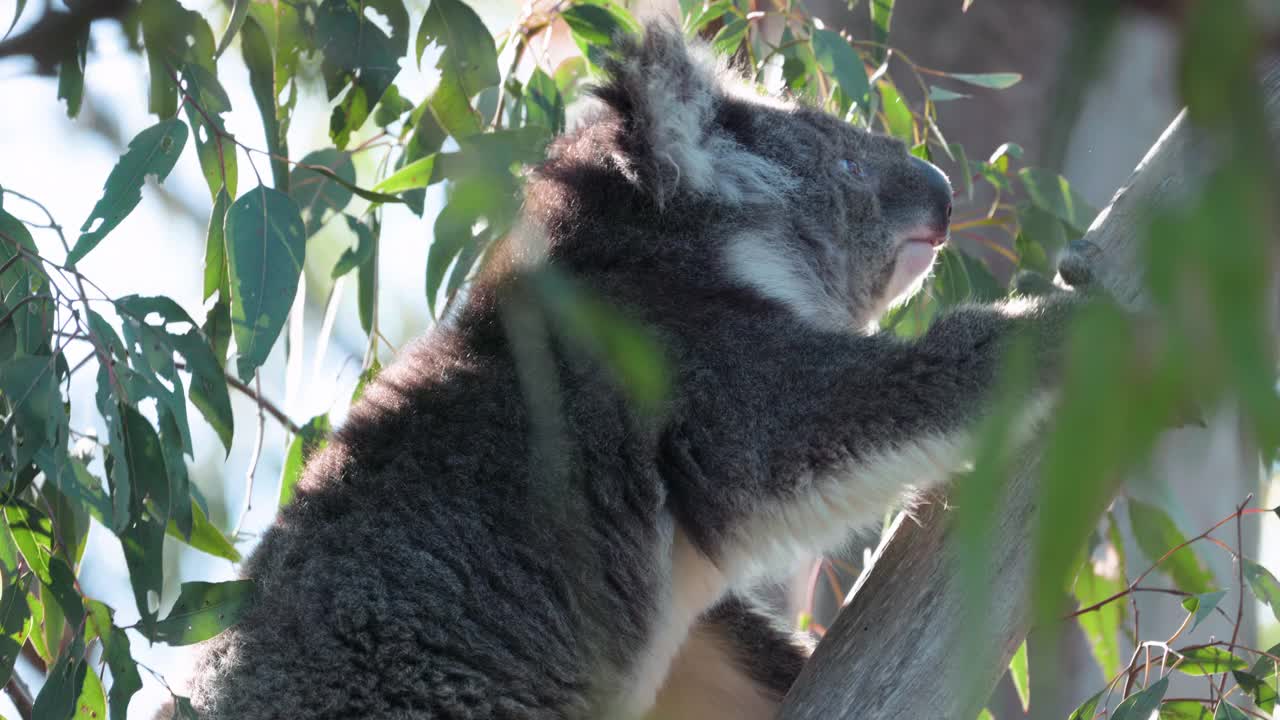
x=439, y=561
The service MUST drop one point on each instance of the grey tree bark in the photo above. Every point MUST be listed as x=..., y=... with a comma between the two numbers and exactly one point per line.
x=893, y=651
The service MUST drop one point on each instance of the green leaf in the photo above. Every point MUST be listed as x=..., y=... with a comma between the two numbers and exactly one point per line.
x=596, y=28
x=1184, y=710
x=359, y=57
x=898, y=120
x=62, y=587
x=315, y=193
x=1227, y=711
x=143, y=544
x=352, y=258
x=92, y=703
x=986, y=715
x=367, y=271
x=174, y=36
x=1157, y=534
x=33, y=534
x=143, y=455
x=1087, y=709
x=255, y=46
x=417, y=174
x=71, y=71
x=1263, y=584
x=839, y=60
x=153, y=152
x=13, y=624
x=705, y=16
x=1018, y=666
x=938, y=94
x=997, y=81
x=621, y=345
x=1051, y=192
x=30, y=386
x=1262, y=688
x=27, y=330
x=391, y=107
x=238, y=12
x=730, y=37
x=215, y=147
x=467, y=64
x=57, y=698
x=1101, y=627
x=125, y=680
x=312, y=437
x=1209, y=661
x=1202, y=606
x=202, y=611
x=205, y=536
x=881, y=19
x=265, y=249
x=545, y=104
x=1141, y=705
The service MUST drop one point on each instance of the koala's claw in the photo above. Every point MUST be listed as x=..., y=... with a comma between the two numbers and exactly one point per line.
x=1076, y=267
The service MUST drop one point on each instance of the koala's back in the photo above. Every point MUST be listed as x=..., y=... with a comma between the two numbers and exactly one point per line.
x=432, y=567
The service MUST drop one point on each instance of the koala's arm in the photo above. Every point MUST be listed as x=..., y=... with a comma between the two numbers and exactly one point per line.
x=810, y=434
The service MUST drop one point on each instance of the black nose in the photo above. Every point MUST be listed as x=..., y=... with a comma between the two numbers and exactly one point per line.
x=938, y=188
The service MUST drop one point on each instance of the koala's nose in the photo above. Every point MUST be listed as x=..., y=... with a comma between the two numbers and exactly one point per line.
x=938, y=188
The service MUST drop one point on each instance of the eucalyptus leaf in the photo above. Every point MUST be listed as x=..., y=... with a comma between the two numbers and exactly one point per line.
x=1208, y=661
x=153, y=151
x=265, y=248
x=202, y=611
x=1141, y=705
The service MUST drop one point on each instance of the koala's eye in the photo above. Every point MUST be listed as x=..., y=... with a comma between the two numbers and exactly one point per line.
x=850, y=166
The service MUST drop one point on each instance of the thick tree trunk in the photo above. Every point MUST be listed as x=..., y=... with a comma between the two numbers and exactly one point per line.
x=893, y=652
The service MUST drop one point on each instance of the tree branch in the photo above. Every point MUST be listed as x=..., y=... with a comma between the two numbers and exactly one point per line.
x=893, y=651
x=48, y=40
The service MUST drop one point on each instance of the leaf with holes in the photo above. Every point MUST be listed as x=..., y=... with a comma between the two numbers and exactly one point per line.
x=266, y=244
x=358, y=57
x=202, y=611
x=215, y=147
x=468, y=62
x=153, y=151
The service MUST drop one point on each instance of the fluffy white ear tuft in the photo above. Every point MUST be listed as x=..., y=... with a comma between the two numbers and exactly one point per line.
x=669, y=93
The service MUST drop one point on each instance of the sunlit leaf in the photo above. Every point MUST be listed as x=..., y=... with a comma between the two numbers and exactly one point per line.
x=202, y=611
x=1095, y=583
x=205, y=536
x=1018, y=672
x=13, y=623
x=1184, y=710
x=313, y=436
x=1209, y=661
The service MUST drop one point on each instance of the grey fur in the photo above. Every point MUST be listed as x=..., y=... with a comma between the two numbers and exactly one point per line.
x=429, y=569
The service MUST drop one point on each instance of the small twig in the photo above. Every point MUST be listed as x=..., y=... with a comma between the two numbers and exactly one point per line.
x=253, y=462
x=1235, y=631
x=262, y=402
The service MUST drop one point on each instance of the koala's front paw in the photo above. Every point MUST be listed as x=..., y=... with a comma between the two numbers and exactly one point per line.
x=1078, y=264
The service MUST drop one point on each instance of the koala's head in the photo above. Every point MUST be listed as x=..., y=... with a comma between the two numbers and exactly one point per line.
x=832, y=222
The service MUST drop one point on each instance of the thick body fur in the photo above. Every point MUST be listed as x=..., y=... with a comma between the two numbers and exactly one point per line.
x=442, y=561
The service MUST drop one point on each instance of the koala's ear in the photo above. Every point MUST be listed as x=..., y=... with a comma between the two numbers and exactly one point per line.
x=668, y=94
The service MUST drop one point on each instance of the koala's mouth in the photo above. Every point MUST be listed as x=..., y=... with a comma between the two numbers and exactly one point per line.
x=933, y=238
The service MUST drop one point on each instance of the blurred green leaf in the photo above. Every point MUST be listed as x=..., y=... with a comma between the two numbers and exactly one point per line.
x=239, y=9
x=1208, y=661
x=391, y=107
x=1202, y=606
x=202, y=611
x=1184, y=710
x=255, y=46
x=730, y=37
x=899, y=122
x=92, y=703
x=265, y=250
x=1227, y=711
x=1102, y=626
x=544, y=104
x=33, y=534
x=352, y=258
x=694, y=23
x=997, y=81
x=18, y=7
x=313, y=436
x=13, y=623
x=1157, y=534
x=153, y=151
x=417, y=174
x=1018, y=671
x=881, y=20
x=174, y=36
x=27, y=330
x=57, y=698
x=937, y=94
x=839, y=60
x=71, y=70
x=1086, y=709
x=1263, y=584
x=1051, y=192
x=1262, y=689
x=595, y=27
